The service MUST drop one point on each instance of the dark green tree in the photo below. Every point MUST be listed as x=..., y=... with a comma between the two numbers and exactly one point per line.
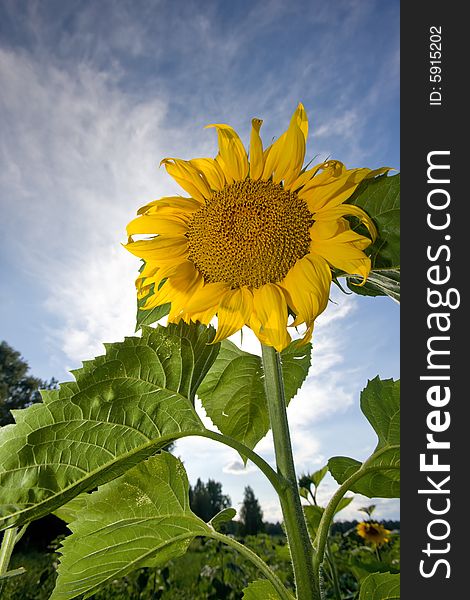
x=207, y=499
x=18, y=389
x=251, y=514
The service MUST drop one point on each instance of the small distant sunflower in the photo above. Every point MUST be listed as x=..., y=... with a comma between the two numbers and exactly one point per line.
x=255, y=238
x=373, y=533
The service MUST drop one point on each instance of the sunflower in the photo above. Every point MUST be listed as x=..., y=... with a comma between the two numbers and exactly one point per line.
x=373, y=533
x=255, y=240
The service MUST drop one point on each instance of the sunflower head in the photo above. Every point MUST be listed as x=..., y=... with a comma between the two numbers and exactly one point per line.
x=255, y=239
x=373, y=533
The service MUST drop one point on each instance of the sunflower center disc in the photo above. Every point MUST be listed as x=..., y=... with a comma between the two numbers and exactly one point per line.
x=249, y=233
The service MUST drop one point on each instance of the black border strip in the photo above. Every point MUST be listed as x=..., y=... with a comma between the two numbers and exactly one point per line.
x=434, y=123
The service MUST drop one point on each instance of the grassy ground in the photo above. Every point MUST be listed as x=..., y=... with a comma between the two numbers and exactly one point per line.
x=208, y=571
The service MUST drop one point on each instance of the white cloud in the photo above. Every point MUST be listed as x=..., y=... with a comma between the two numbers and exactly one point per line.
x=345, y=125
x=80, y=157
x=236, y=467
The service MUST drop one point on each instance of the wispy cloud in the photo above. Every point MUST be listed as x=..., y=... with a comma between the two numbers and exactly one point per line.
x=80, y=157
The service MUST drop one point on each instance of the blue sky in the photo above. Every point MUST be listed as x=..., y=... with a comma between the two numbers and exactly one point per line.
x=94, y=94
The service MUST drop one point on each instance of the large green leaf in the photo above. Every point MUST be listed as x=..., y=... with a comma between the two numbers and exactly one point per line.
x=233, y=394
x=141, y=519
x=380, y=198
x=380, y=403
x=123, y=407
x=261, y=590
x=381, y=586
x=381, y=480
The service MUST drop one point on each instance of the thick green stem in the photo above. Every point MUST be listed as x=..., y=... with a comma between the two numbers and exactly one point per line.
x=294, y=520
x=6, y=549
x=257, y=561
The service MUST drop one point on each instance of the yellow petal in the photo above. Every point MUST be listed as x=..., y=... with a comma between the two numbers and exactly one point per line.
x=324, y=230
x=379, y=171
x=149, y=270
x=211, y=170
x=308, y=285
x=165, y=270
x=158, y=248
x=286, y=155
x=233, y=312
x=270, y=308
x=154, y=225
x=181, y=284
x=333, y=214
x=343, y=251
x=307, y=335
x=338, y=231
x=188, y=177
x=273, y=156
x=204, y=317
x=208, y=296
x=292, y=156
x=305, y=177
x=266, y=152
x=330, y=170
x=256, y=150
x=186, y=205
x=301, y=119
x=232, y=152
x=145, y=278
x=220, y=161
x=331, y=189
